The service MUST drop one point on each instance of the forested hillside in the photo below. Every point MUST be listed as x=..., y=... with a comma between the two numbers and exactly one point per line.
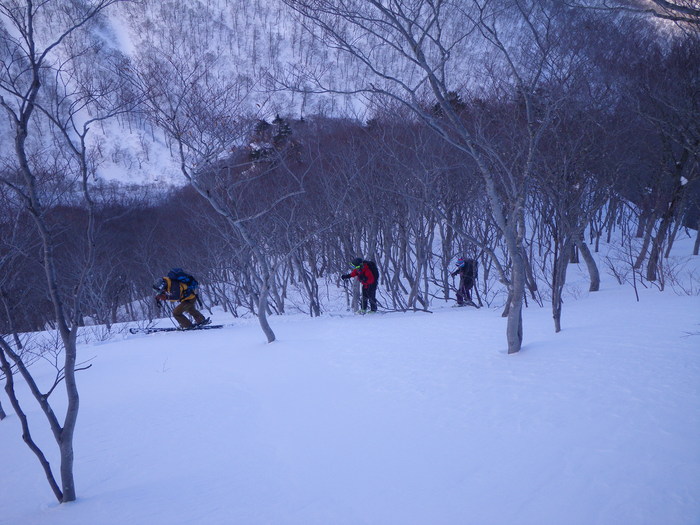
x=602, y=137
x=263, y=145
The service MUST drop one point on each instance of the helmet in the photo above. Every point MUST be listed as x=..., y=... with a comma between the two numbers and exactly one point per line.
x=356, y=262
x=460, y=262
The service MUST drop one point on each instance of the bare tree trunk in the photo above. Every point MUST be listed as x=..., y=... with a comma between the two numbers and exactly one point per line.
x=262, y=311
x=672, y=239
x=447, y=241
x=560, y=265
x=8, y=316
x=530, y=280
x=514, y=328
x=645, y=243
x=310, y=285
x=657, y=244
x=593, y=272
x=642, y=224
x=26, y=434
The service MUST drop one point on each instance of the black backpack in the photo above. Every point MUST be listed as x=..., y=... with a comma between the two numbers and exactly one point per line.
x=373, y=268
x=471, y=269
x=180, y=275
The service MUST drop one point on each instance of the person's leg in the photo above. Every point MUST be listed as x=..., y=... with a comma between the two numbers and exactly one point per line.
x=468, y=290
x=372, y=296
x=460, y=293
x=365, y=298
x=191, y=309
x=179, y=315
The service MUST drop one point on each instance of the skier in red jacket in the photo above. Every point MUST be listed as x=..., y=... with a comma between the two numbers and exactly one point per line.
x=366, y=272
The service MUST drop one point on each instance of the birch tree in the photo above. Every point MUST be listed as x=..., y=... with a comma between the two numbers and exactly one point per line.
x=33, y=40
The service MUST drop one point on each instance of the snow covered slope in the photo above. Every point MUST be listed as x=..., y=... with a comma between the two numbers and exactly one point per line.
x=400, y=418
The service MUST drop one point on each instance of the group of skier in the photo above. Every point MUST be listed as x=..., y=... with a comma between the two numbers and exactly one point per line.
x=181, y=287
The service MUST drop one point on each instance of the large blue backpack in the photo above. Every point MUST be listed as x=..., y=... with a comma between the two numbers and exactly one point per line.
x=180, y=275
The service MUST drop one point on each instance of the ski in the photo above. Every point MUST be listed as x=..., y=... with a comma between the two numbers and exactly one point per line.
x=406, y=311
x=391, y=311
x=466, y=304
x=154, y=330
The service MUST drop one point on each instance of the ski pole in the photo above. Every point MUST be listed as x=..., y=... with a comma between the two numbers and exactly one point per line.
x=169, y=309
x=347, y=297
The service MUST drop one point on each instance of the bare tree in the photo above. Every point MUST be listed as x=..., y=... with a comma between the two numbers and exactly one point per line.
x=33, y=40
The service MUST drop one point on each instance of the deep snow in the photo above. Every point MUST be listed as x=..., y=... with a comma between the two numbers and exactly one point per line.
x=403, y=418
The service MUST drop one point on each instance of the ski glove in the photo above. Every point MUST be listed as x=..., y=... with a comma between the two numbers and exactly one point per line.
x=345, y=277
